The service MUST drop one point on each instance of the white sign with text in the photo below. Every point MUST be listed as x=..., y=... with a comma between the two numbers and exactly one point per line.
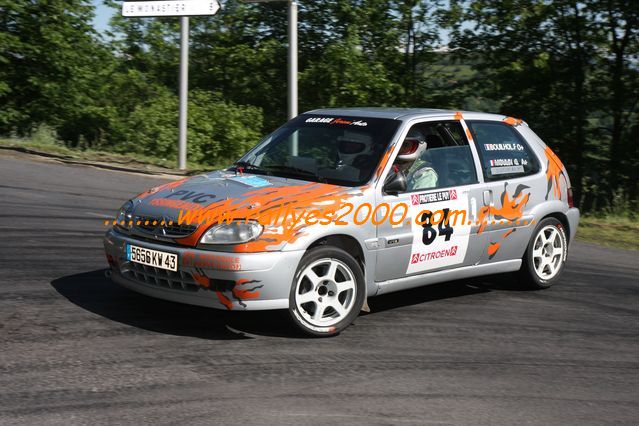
x=170, y=8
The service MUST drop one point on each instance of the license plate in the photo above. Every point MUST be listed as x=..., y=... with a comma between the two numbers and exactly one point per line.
x=158, y=259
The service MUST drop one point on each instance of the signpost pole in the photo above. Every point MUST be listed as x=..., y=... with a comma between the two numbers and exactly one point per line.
x=292, y=54
x=292, y=59
x=292, y=70
x=183, y=9
x=184, y=90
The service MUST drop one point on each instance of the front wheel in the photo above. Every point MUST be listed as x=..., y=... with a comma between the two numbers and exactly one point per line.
x=328, y=291
x=546, y=254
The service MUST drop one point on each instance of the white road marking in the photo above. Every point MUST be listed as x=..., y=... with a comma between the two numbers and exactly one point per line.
x=103, y=216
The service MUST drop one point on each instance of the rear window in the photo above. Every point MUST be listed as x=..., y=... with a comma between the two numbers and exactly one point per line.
x=503, y=152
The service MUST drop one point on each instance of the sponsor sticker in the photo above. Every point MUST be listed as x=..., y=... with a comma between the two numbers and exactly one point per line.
x=252, y=181
x=500, y=162
x=211, y=261
x=324, y=120
x=433, y=197
x=506, y=170
x=422, y=257
x=337, y=121
x=503, y=147
x=191, y=196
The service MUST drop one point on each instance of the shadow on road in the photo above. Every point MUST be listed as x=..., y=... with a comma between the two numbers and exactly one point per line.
x=95, y=293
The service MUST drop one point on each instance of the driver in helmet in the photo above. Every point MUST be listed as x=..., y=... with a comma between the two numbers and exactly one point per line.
x=419, y=173
x=357, y=151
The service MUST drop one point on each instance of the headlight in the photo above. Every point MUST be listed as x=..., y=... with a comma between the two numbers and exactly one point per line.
x=235, y=232
x=125, y=215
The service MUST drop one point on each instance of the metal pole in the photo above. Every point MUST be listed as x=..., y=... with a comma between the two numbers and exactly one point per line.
x=292, y=72
x=184, y=90
x=292, y=59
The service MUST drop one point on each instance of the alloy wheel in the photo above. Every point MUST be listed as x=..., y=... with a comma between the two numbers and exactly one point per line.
x=548, y=252
x=325, y=292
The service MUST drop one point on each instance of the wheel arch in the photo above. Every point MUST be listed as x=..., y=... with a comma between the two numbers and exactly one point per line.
x=346, y=243
x=561, y=217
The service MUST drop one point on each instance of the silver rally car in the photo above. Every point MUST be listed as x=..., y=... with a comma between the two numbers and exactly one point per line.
x=339, y=205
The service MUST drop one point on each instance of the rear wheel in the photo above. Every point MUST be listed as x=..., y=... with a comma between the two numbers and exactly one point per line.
x=545, y=257
x=327, y=292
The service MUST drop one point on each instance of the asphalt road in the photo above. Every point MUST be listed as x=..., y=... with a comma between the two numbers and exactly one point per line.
x=77, y=349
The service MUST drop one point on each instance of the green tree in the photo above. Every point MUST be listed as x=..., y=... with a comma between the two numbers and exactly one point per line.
x=218, y=131
x=534, y=57
x=50, y=55
x=619, y=21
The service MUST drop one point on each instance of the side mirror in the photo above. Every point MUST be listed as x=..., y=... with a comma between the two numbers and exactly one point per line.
x=395, y=183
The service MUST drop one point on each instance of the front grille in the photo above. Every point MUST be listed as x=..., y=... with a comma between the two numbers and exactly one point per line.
x=146, y=223
x=179, y=280
x=163, y=227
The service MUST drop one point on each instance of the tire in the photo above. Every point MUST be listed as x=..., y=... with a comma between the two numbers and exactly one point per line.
x=327, y=293
x=545, y=258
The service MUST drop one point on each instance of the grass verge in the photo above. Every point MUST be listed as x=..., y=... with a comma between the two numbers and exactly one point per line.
x=609, y=231
x=134, y=160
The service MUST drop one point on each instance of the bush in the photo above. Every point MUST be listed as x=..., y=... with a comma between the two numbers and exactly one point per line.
x=218, y=131
x=44, y=135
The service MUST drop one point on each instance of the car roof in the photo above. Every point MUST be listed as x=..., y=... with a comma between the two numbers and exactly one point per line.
x=400, y=113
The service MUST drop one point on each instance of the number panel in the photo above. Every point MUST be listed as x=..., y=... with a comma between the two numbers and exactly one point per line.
x=442, y=229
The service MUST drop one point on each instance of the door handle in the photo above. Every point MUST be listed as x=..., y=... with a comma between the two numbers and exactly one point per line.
x=473, y=209
x=488, y=197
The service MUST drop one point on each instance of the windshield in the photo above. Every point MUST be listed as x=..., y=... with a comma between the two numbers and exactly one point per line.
x=337, y=150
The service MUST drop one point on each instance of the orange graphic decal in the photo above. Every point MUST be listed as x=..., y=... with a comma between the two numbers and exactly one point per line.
x=513, y=121
x=224, y=300
x=459, y=117
x=554, y=172
x=220, y=287
x=507, y=233
x=511, y=209
x=246, y=293
x=287, y=204
x=383, y=162
x=492, y=249
x=468, y=134
x=175, y=204
x=170, y=185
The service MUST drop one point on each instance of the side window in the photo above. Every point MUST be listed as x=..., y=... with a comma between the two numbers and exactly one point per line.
x=503, y=152
x=442, y=157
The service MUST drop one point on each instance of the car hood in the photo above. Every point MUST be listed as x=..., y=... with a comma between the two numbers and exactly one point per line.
x=207, y=199
x=204, y=190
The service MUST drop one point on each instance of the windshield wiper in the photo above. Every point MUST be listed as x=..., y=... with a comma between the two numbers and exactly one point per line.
x=246, y=166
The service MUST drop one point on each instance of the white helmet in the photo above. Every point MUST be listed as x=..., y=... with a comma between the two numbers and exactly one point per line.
x=412, y=147
x=352, y=145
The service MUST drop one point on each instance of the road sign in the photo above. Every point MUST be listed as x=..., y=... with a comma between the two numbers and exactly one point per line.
x=170, y=8
x=183, y=9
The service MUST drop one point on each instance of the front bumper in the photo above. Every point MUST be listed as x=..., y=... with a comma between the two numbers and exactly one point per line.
x=242, y=281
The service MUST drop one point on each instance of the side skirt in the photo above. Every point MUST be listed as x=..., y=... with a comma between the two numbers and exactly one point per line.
x=419, y=280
